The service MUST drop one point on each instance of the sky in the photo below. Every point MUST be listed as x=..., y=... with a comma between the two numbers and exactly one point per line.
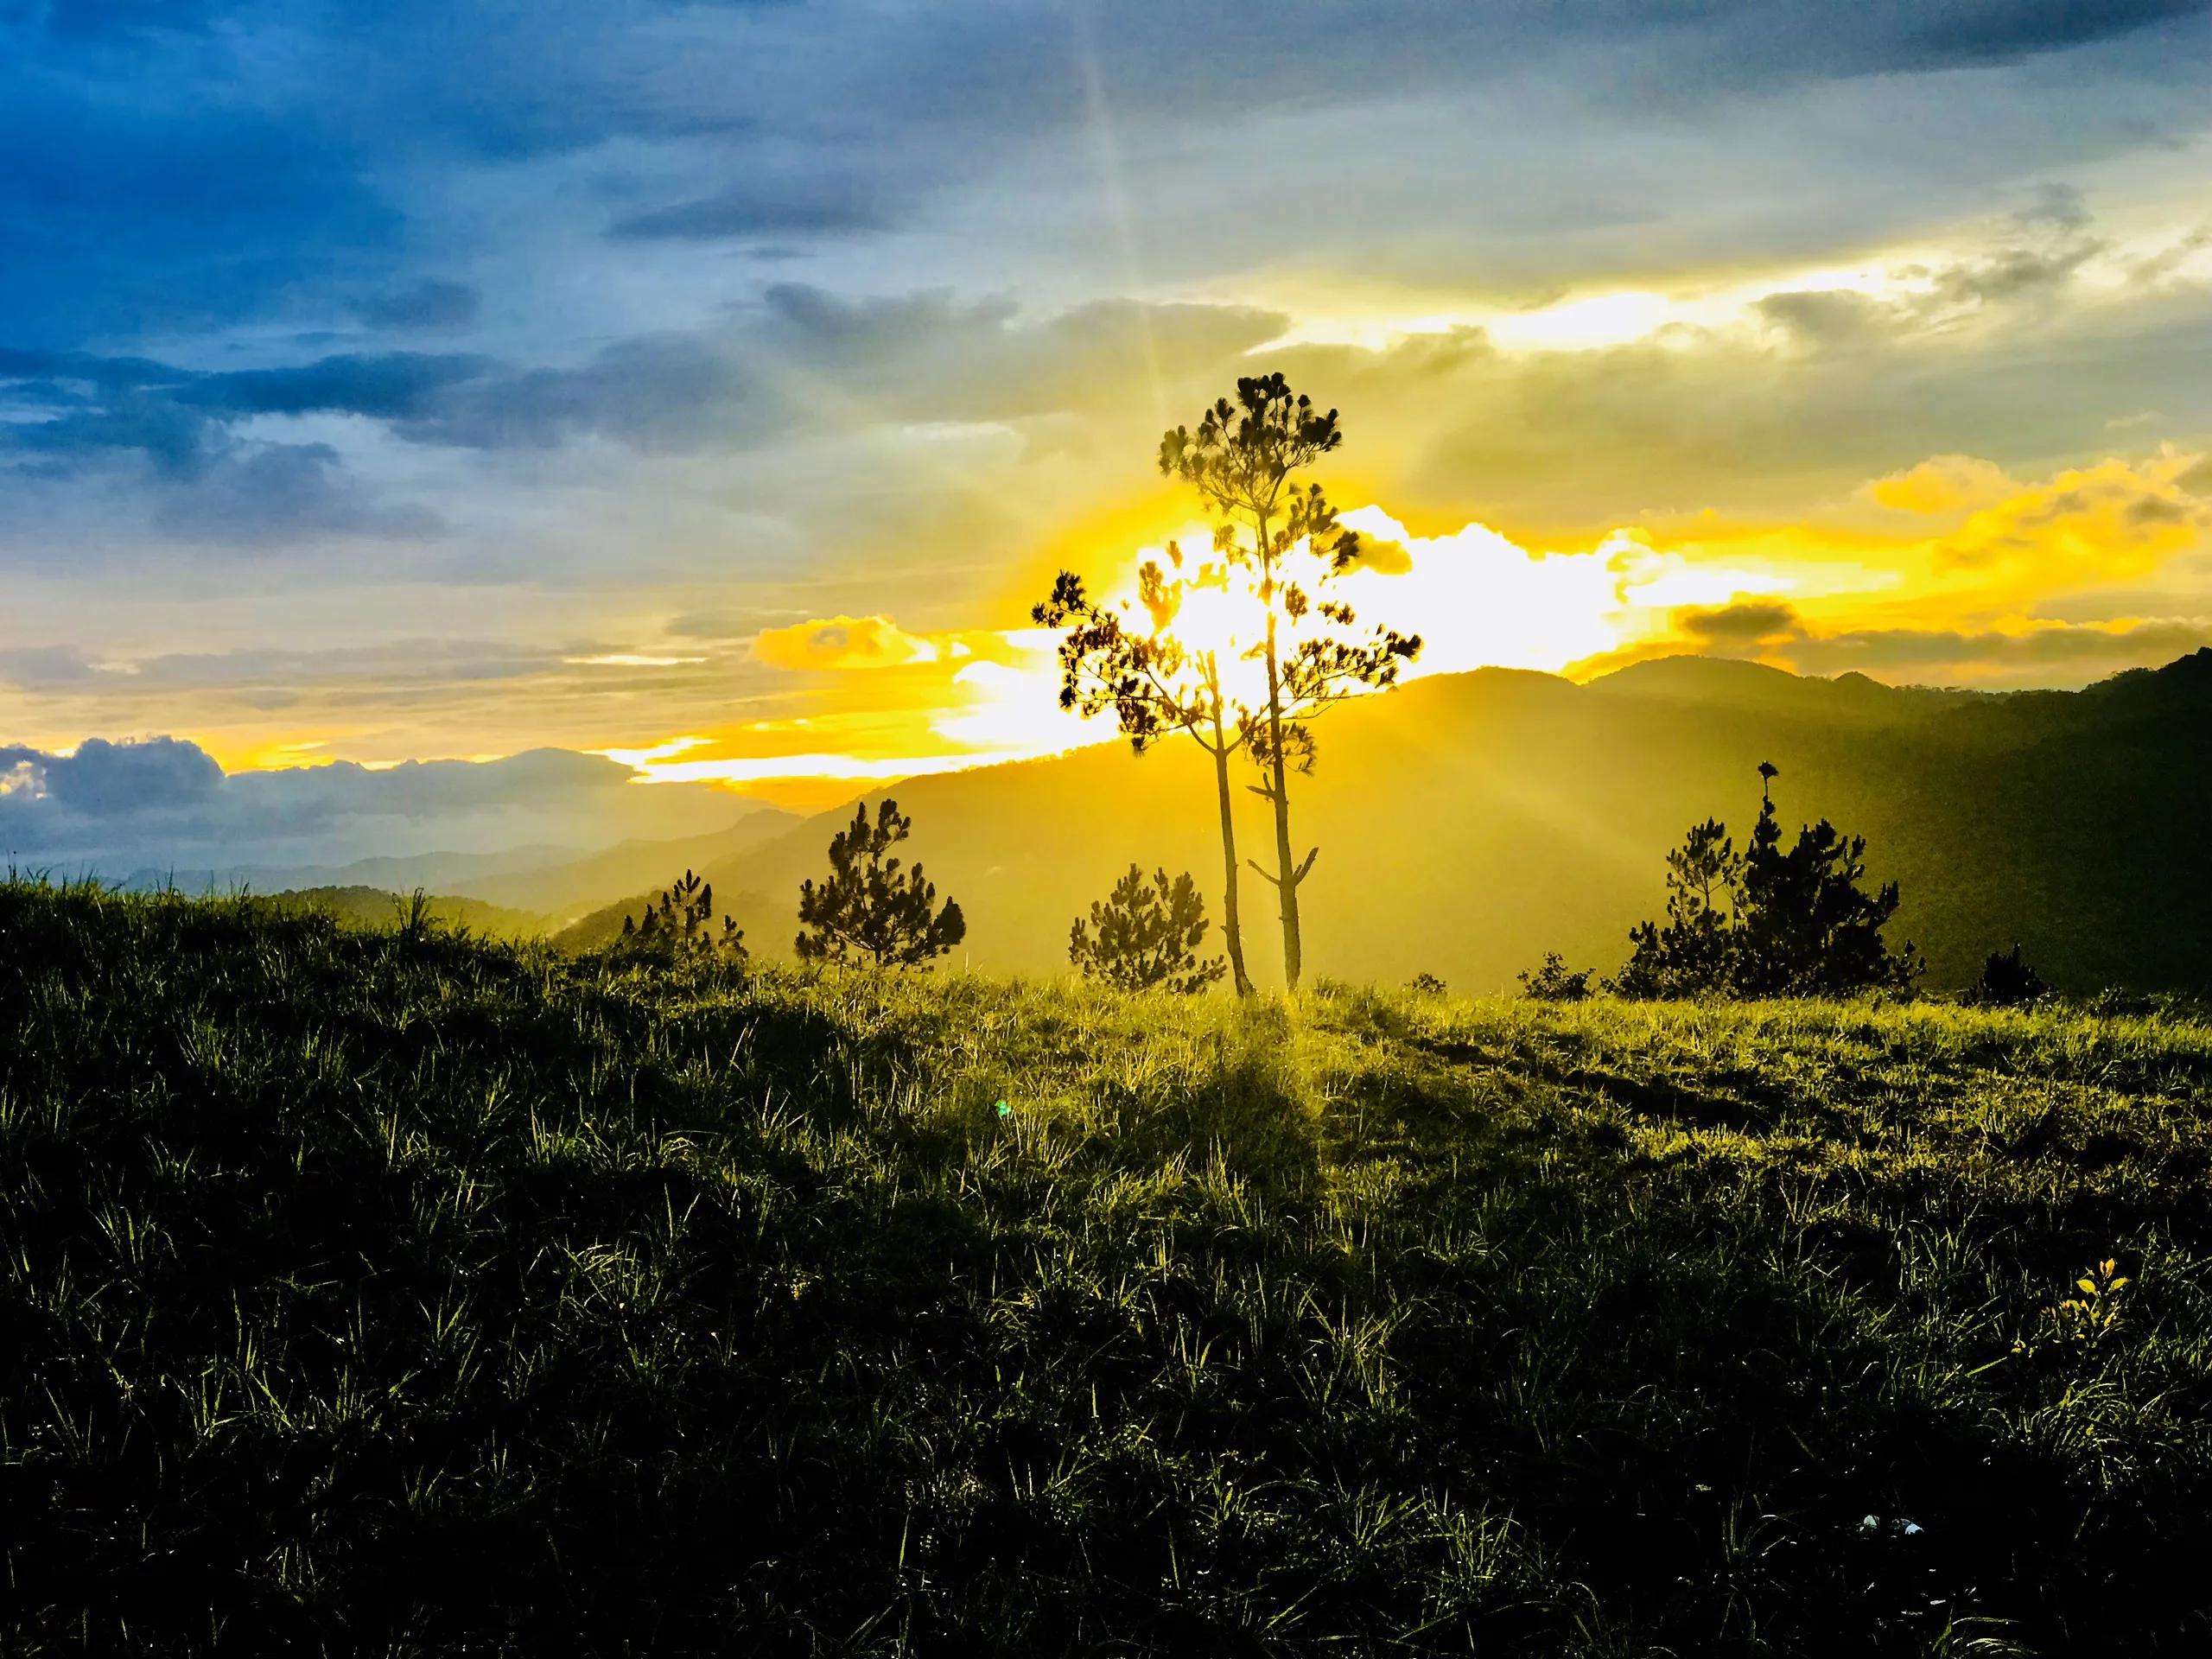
x=705, y=393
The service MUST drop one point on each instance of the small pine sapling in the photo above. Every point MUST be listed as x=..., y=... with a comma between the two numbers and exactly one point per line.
x=680, y=928
x=870, y=909
x=1143, y=938
x=1552, y=982
x=2006, y=982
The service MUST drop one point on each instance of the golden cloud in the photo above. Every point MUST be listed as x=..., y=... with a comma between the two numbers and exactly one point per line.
x=1943, y=484
x=840, y=642
x=2114, y=520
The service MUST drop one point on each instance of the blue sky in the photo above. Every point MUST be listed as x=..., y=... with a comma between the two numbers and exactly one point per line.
x=438, y=381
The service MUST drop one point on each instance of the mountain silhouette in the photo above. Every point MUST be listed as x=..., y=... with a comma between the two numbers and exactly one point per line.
x=1469, y=822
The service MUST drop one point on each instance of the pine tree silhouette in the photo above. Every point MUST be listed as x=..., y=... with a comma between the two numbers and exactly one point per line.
x=871, y=911
x=1809, y=929
x=2006, y=982
x=1290, y=546
x=680, y=928
x=1144, y=937
x=1768, y=923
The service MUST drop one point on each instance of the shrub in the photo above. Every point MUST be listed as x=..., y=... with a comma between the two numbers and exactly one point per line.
x=1553, y=983
x=681, y=927
x=1143, y=938
x=2006, y=982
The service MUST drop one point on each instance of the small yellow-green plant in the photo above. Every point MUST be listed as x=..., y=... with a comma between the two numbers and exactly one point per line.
x=2094, y=1315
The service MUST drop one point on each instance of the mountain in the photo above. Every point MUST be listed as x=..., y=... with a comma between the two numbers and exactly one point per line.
x=432, y=872
x=553, y=884
x=566, y=888
x=1469, y=822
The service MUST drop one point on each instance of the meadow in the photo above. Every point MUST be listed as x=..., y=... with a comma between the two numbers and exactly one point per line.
x=396, y=1290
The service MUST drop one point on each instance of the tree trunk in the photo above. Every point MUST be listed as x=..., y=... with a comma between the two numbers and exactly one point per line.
x=1287, y=873
x=1231, y=928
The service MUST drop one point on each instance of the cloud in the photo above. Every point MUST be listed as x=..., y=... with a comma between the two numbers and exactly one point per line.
x=203, y=481
x=39, y=667
x=163, y=802
x=277, y=493
x=1740, y=627
x=393, y=386
x=804, y=360
x=761, y=207
x=1998, y=30
x=102, y=779
x=1943, y=484
x=2112, y=522
x=841, y=642
x=429, y=303
x=2028, y=656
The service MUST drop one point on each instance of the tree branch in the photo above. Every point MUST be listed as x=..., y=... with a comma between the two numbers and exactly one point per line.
x=1300, y=875
x=1263, y=874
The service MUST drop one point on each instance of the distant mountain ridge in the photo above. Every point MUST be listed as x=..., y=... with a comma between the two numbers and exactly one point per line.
x=552, y=885
x=1468, y=823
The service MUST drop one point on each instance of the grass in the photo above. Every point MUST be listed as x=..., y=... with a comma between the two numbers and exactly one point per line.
x=398, y=1292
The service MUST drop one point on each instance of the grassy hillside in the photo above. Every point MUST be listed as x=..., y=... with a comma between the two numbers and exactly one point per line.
x=376, y=907
x=1470, y=823
x=397, y=1292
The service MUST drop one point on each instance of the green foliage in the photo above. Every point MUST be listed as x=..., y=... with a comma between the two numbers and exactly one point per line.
x=871, y=911
x=1141, y=939
x=680, y=928
x=1552, y=982
x=403, y=1294
x=2006, y=982
x=1767, y=922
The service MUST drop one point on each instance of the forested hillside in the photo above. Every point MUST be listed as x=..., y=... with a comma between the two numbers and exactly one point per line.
x=1470, y=823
